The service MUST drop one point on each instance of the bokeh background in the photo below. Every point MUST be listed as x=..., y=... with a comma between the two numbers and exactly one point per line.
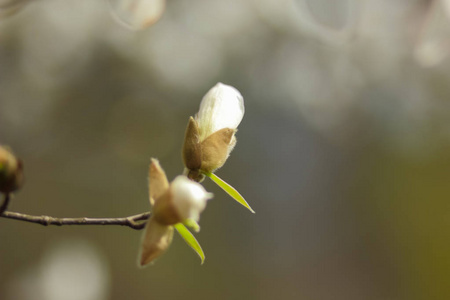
x=343, y=151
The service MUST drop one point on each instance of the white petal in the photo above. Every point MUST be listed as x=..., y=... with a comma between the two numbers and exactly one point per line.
x=189, y=197
x=137, y=14
x=221, y=107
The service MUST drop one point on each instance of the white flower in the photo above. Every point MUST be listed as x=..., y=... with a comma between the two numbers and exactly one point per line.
x=222, y=107
x=188, y=197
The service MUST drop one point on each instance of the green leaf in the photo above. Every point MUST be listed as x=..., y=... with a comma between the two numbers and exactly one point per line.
x=190, y=240
x=229, y=190
x=191, y=223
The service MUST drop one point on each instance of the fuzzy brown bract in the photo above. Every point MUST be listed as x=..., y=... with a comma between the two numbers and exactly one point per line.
x=157, y=181
x=192, y=152
x=208, y=155
x=155, y=241
x=164, y=210
x=216, y=148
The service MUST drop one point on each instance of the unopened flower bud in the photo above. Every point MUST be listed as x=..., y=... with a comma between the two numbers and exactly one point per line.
x=183, y=200
x=11, y=171
x=209, y=137
x=189, y=198
x=180, y=201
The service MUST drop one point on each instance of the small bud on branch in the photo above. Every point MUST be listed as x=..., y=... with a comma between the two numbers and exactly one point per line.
x=11, y=171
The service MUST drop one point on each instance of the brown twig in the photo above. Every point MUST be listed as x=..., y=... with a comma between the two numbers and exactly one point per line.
x=5, y=203
x=131, y=221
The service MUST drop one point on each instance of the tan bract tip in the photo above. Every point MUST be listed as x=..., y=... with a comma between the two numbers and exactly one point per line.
x=155, y=241
x=158, y=183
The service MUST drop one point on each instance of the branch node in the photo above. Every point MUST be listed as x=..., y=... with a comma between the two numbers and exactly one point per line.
x=45, y=220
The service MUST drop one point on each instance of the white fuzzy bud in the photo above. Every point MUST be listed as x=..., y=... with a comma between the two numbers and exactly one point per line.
x=188, y=197
x=222, y=107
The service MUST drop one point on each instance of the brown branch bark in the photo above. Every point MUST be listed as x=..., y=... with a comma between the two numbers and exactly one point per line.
x=5, y=203
x=131, y=221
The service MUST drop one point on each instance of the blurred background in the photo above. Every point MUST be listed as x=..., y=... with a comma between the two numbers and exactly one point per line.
x=343, y=152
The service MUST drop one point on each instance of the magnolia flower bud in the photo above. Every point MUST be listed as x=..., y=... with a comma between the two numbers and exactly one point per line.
x=11, y=171
x=189, y=198
x=209, y=137
x=222, y=107
x=173, y=203
x=183, y=200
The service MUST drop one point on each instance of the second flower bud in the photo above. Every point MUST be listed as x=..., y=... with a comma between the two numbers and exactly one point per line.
x=183, y=200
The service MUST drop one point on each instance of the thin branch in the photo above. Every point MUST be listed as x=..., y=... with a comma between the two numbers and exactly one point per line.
x=131, y=221
x=5, y=203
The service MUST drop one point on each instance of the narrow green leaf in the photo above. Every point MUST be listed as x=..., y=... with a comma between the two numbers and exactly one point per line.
x=190, y=240
x=191, y=223
x=229, y=190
